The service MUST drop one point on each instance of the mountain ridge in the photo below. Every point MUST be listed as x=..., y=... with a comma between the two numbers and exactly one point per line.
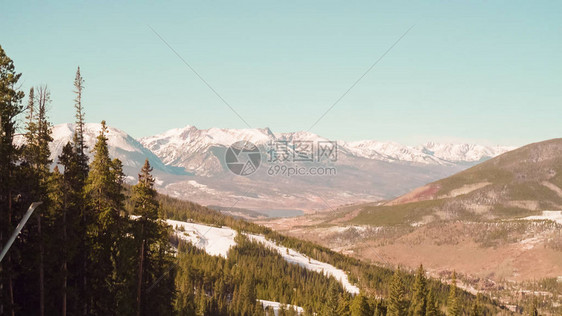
x=189, y=163
x=185, y=141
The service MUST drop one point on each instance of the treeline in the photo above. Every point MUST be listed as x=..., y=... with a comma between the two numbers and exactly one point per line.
x=80, y=253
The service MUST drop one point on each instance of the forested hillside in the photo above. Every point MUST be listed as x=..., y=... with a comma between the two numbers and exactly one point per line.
x=82, y=253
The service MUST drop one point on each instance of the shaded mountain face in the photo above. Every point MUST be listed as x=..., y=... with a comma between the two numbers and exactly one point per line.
x=189, y=163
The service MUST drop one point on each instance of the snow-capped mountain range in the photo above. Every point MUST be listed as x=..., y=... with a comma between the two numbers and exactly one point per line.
x=177, y=146
x=429, y=153
x=189, y=163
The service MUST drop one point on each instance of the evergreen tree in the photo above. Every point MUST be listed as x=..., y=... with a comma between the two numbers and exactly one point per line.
x=184, y=303
x=432, y=309
x=104, y=188
x=331, y=307
x=343, y=306
x=201, y=303
x=152, y=245
x=248, y=294
x=58, y=236
x=42, y=164
x=10, y=107
x=397, y=304
x=30, y=128
x=476, y=310
x=43, y=131
x=79, y=128
x=418, y=305
x=360, y=307
x=453, y=306
x=379, y=309
x=76, y=215
x=34, y=173
x=73, y=227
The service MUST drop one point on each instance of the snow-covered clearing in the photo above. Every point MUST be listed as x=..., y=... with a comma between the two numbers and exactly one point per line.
x=295, y=257
x=276, y=306
x=555, y=216
x=217, y=241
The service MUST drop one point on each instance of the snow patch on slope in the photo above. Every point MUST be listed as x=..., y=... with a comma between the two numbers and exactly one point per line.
x=555, y=216
x=276, y=306
x=216, y=241
x=295, y=257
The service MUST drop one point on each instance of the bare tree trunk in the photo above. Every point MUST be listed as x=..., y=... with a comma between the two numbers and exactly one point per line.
x=84, y=257
x=139, y=290
x=41, y=270
x=10, y=282
x=11, y=285
x=64, y=267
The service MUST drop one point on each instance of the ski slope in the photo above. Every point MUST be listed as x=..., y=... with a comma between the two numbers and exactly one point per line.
x=295, y=257
x=216, y=241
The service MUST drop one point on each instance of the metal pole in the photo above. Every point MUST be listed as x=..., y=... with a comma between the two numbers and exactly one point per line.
x=15, y=234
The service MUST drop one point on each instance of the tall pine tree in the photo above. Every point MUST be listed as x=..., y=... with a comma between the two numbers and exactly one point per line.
x=397, y=304
x=10, y=107
x=432, y=308
x=453, y=306
x=72, y=224
x=332, y=300
x=419, y=296
x=79, y=141
x=359, y=306
x=152, y=245
x=104, y=191
x=79, y=173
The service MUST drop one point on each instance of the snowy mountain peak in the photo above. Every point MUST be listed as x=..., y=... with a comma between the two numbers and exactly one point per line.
x=121, y=145
x=189, y=162
x=463, y=152
x=189, y=147
x=391, y=151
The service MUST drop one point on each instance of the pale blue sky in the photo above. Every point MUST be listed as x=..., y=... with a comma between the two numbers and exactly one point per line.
x=481, y=71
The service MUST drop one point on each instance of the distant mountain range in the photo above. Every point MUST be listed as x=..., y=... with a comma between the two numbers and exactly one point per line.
x=500, y=219
x=189, y=163
x=497, y=223
x=515, y=184
x=178, y=146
